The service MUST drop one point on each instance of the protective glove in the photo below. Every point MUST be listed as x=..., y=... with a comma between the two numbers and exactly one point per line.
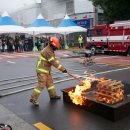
x=64, y=71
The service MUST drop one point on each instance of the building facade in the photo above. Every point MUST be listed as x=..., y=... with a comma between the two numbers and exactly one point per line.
x=27, y=15
x=81, y=11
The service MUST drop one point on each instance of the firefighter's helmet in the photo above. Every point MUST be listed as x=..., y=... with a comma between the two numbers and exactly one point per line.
x=55, y=42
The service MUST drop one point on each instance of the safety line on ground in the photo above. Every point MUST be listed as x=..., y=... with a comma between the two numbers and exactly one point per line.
x=17, y=78
x=17, y=86
x=109, y=71
x=41, y=126
x=21, y=85
x=105, y=57
x=5, y=83
x=101, y=64
x=18, y=91
x=114, y=64
x=54, y=73
x=11, y=57
x=11, y=62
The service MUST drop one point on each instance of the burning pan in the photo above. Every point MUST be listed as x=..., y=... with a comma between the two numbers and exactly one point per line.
x=112, y=112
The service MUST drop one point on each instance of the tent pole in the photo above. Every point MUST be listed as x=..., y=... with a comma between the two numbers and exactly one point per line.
x=65, y=41
x=33, y=39
x=34, y=47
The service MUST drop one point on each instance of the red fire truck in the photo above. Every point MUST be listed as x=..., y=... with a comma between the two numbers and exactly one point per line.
x=109, y=38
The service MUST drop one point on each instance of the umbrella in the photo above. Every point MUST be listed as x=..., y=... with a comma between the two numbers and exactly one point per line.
x=8, y=25
x=40, y=26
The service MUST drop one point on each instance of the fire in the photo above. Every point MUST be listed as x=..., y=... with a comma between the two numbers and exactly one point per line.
x=109, y=91
x=77, y=96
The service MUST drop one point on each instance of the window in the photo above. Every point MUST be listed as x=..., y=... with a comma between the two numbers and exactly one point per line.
x=99, y=32
x=90, y=32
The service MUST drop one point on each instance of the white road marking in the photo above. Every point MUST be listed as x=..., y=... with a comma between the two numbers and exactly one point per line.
x=106, y=57
x=21, y=55
x=35, y=54
x=16, y=55
x=26, y=55
x=11, y=62
x=65, y=55
x=109, y=71
x=124, y=60
x=7, y=56
x=101, y=65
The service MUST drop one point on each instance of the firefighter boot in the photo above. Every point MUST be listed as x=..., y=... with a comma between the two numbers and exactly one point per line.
x=35, y=103
x=55, y=97
x=34, y=99
x=52, y=93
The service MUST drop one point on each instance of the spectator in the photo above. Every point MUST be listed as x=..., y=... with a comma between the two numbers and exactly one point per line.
x=62, y=43
x=26, y=44
x=0, y=44
x=80, y=40
x=21, y=44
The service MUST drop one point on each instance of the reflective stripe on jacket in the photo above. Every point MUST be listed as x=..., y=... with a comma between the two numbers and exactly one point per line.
x=46, y=60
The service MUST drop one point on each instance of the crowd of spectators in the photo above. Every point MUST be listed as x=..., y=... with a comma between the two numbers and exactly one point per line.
x=20, y=43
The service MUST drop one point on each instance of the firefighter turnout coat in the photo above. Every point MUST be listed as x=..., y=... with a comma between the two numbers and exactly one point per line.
x=43, y=68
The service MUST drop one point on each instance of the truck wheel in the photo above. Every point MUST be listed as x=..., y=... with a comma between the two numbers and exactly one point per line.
x=128, y=53
x=93, y=50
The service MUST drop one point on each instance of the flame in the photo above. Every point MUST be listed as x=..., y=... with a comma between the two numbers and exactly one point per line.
x=109, y=96
x=110, y=99
x=77, y=96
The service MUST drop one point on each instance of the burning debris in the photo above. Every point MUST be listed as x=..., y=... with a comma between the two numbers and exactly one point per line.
x=104, y=97
x=109, y=91
x=77, y=96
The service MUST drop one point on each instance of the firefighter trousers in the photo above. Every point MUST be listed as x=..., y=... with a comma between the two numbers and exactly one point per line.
x=43, y=80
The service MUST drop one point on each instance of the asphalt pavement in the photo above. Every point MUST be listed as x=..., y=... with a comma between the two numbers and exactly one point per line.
x=17, y=111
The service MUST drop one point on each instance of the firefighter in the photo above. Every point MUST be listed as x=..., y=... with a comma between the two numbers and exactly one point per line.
x=80, y=40
x=43, y=69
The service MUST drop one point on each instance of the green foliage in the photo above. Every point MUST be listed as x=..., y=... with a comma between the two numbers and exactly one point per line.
x=114, y=9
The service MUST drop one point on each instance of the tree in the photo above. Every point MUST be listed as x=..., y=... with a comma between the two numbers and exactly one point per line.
x=114, y=9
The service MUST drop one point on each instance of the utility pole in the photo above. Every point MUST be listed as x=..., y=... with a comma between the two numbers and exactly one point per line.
x=95, y=22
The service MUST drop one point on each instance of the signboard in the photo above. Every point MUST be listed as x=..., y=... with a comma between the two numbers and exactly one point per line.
x=86, y=23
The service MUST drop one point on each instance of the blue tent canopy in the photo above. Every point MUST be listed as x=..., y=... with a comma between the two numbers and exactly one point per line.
x=69, y=26
x=8, y=25
x=7, y=20
x=40, y=22
x=40, y=26
x=67, y=22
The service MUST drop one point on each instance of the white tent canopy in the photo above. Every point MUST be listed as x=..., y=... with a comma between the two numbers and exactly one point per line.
x=40, y=26
x=8, y=25
x=68, y=26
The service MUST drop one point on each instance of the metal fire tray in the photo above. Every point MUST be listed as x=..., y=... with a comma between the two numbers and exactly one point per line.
x=112, y=112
